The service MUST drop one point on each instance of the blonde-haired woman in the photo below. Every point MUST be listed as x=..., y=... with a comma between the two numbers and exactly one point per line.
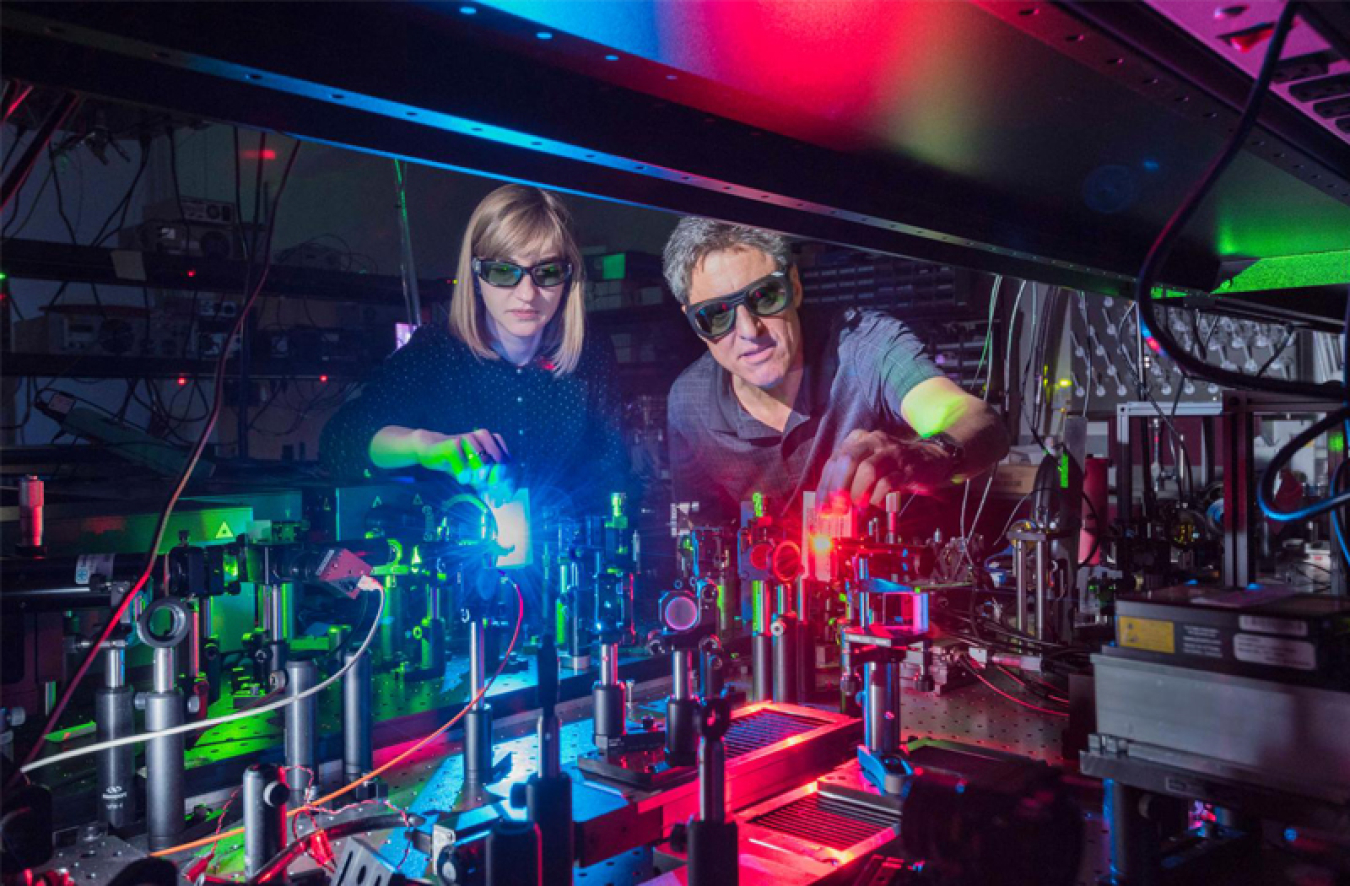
x=513, y=379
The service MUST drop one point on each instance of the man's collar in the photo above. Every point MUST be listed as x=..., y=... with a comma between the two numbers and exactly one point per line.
x=731, y=417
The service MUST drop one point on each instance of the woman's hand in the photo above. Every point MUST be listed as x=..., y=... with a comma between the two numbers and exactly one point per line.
x=479, y=458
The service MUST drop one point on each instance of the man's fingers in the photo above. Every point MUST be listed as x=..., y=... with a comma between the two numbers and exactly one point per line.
x=864, y=478
x=829, y=481
x=884, y=487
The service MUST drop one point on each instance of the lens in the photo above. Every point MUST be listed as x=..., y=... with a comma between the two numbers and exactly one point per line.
x=769, y=298
x=499, y=273
x=716, y=319
x=680, y=612
x=551, y=274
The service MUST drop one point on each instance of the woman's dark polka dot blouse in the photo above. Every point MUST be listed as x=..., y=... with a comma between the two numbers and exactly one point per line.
x=562, y=431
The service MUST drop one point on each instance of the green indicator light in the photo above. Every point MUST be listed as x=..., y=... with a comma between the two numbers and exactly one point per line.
x=1291, y=272
x=616, y=504
x=3, y=276
x=1336, y=442
x=1064, y=470
x=613, y=267
x=757, y=502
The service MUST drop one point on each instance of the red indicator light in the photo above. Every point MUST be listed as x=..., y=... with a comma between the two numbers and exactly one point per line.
x=182, y=381
x=1246, y=41
x=191, y=272
x=323, y=378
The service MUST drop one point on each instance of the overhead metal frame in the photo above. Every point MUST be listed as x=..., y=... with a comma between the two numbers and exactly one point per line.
x=403, y=80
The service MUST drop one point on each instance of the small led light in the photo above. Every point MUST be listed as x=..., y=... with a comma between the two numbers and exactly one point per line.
x=182, y=381
x=544, y=35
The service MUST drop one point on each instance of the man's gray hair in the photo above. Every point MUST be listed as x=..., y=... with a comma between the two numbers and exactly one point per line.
x=694, y=238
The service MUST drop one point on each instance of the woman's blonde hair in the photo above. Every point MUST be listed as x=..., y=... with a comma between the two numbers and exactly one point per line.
x=508, y=221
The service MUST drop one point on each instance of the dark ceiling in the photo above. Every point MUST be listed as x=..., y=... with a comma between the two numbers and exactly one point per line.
x=1018, y=138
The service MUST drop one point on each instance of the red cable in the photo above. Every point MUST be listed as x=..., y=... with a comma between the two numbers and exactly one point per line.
x=974, y=672
x=188, y=469
x=387, y=765
x=18, y=101
x=1048, y=689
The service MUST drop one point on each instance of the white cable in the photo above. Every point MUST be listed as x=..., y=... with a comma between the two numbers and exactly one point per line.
x=988, y=338
x=217, y=721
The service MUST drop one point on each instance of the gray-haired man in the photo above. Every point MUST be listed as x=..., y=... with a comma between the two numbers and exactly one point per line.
x=856, y=408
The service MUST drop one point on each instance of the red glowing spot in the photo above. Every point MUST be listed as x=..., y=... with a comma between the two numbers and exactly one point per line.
x=1153, y=345
x=182, y=381
x=191, y=272
x=323, y=378
x=1246, y=41
x=265, y=154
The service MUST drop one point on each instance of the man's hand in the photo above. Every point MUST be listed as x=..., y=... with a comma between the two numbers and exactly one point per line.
x=870, y=464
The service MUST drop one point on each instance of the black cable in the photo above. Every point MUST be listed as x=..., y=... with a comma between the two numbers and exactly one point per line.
x=185, y=475
x=257, y=189
x=1289, y=333
x=1265, y=492
x=1162, y=246
x=238, y=202
x=296, y=848
x=124, y=205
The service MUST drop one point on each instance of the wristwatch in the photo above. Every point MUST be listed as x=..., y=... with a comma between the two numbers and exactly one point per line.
x=955, y=452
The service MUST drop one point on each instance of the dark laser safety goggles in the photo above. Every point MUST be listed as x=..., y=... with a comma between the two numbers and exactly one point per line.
x=766, y=297
x=507, y=275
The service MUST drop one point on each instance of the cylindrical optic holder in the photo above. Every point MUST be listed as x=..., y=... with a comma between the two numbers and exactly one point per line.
x=302, y=730
x=548, y=793
x=478, y=719
x=682, y=713
x=610, y=698
x=881, y=709
x=786, y=650
x=513, y=856
x=357, y=751
x=713, y=852
x=761, y=643
x=164, y=709
x=265, y=796
x=115, y=717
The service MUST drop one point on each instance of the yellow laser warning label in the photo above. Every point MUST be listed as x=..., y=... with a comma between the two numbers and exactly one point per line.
x=1151, y=634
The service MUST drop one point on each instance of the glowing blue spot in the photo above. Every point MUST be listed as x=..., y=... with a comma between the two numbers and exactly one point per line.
x=545, y=35
x=1152, y=165
x=467, y=10
x=611, y=58
x=1290, y=835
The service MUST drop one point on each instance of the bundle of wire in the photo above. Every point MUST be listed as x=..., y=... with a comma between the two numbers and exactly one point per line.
x=253, y=289
x=1159, y=337
x=388, y=764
